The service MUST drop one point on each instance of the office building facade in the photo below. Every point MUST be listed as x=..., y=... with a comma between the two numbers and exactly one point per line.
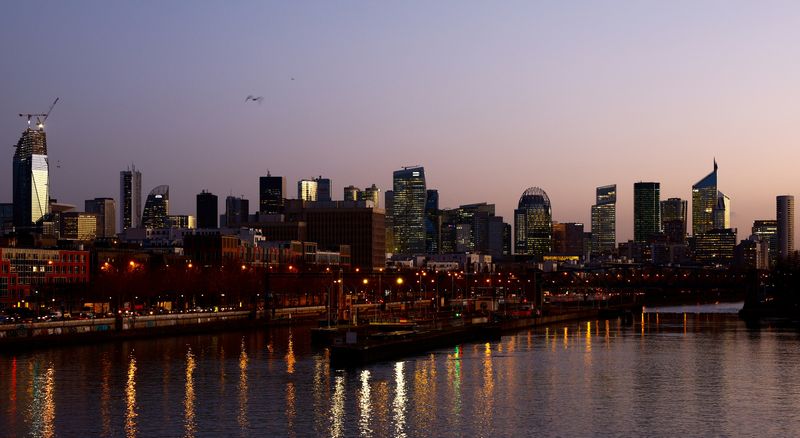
x=604, y=221
x=307, y=190
x=207, y=210
x=785, y=220
x=674, y=219
x=156, y=208
x=324, y=189
x=30, y=178
x=272, y=192
x=105, y=209
x=130, y=198
x=408, y=211
x=533, y=224
x=237, y=211
x=646, y=210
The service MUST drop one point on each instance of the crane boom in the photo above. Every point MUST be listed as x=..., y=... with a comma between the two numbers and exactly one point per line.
x=40, y=122
x=50, y=109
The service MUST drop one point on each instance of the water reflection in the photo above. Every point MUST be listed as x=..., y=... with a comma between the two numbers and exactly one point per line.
x=399, y=404
x=290, y=359
x=706, y=372
x=487, y=397
x=130, y=399
x=43, y=407
x=454, y=378
x=588, y=338
x=188, y=402
x=243, y=360
x=12, y=393
x=291, y=409
x=337, y=408
x=364, y=408
x=105, y=396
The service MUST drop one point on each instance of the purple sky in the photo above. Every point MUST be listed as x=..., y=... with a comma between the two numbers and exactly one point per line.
x=490, y=97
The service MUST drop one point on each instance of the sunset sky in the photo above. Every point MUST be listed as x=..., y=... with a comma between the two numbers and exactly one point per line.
x=491, y=97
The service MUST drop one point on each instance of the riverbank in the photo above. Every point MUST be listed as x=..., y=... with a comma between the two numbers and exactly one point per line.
x=84, y=331
x=354, y=351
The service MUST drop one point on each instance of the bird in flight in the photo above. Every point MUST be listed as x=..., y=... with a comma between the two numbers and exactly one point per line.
x=254, y=98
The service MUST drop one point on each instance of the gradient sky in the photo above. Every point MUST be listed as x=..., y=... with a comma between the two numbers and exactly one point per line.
x=491, y=97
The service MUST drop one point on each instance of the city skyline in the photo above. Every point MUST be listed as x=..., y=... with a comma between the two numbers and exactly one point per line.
x=548, y=93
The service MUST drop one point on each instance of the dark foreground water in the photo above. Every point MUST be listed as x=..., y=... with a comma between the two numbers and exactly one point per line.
x=667, y=375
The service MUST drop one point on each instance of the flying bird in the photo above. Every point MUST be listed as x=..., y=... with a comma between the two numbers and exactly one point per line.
x=254, y=98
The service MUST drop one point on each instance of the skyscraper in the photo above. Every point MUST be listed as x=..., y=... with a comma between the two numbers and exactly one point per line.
x=388, y=202
x=351, y=193
x=785, y=218
x=307, y=190
x=409, y=210
x=372, y=193
x=767, y=230
x=207, y=210
x=674, y=219
x=272, y=192
x=323, y=189
x=31, y=178
x=237, y=211
x=604, y=221
x=156, y=208
x=130, y=195
x=105, y=209
x=432, y=222
x=646, y=210
x=722, y=212
x=705, y=198
x=533, y=223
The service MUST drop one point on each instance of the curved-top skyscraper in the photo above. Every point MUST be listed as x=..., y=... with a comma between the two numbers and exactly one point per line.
x=533, y=223
x=156, y=208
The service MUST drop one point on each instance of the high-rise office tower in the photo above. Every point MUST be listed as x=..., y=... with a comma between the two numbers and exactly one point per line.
x=721, y=213
x=388, y=201
x=105, y=209
x=705, y=198
x=604, y=221
x=646, y=210
x=79, y=225
x=409, y=210
x=31, y=178
x=351, y=193
x=307, y=190
x=568, y=238
x=785, y=218
x=207, y=210
x=156, y=208
x=237, y=211
x=432, y=222
x=767, y=230
x=533, y=223
x=130, y=195
x=372, y=193
x=323, y=189
x=674, y=218
x=272, y=192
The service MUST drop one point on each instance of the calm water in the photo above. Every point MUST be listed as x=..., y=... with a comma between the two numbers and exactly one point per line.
x=667, y=375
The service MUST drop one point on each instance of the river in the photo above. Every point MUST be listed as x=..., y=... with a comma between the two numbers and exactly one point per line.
x=671, y=373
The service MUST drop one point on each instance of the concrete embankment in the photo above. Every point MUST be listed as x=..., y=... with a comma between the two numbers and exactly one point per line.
x=56, y=333
x=361, y=351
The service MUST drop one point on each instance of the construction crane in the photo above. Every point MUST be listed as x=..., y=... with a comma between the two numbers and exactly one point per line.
x=40, y=121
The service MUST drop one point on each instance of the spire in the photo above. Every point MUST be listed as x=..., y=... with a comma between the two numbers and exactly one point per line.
x=715, y=164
